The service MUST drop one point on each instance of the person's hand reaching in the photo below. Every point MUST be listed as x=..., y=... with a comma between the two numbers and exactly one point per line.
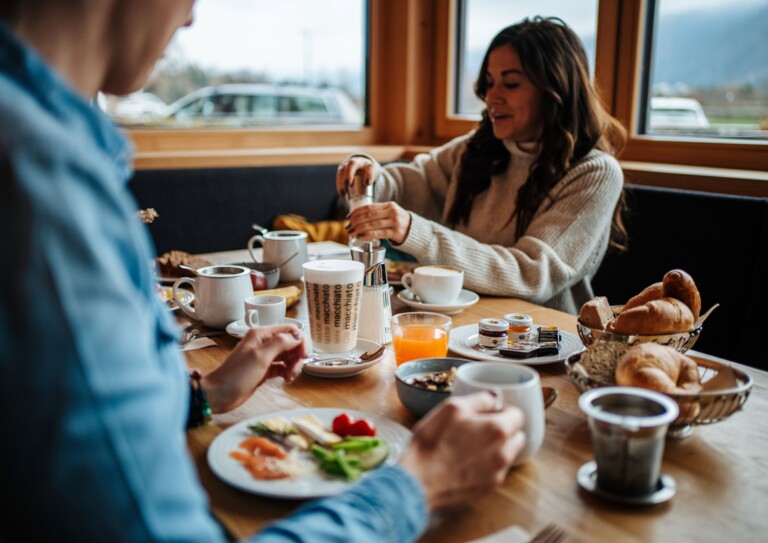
x=347, y=170
x=265, y=352
x=386, y=220
x=464, y=448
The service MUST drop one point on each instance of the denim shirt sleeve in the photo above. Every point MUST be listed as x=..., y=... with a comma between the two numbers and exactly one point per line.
x=387, y=506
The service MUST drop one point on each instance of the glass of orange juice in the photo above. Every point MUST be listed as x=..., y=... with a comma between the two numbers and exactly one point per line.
x=420, y=335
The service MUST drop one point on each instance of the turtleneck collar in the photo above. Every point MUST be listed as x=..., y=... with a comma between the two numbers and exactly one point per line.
x=522, y=150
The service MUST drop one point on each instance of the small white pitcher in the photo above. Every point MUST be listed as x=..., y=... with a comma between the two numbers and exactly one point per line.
x=279, y=246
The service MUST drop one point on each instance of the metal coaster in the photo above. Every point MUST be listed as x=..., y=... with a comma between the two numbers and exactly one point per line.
x=587, y=479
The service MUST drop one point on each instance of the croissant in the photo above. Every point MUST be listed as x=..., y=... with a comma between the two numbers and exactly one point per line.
x=678, y=284
x=653, y=292
x=661, y=368
x=662, y=316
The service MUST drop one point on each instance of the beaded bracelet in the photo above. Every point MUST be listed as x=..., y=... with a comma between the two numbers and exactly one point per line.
x=199, y=408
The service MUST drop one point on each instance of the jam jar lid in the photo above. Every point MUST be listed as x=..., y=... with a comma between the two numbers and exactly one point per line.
x=493, y=325
x=518, y=319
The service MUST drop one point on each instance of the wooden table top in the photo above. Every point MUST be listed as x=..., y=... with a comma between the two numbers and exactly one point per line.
x=721, y=471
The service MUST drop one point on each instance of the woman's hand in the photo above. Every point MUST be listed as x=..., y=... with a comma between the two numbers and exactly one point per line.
x=265, y=352
x=464, y=448
x=386, y=220
x=345, y=175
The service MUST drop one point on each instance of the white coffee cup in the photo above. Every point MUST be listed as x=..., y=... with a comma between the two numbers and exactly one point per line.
x=279, y=246
x=334, y=290
x=434, y=284
x=219, y=294
x=513, y=385
x=264, y=310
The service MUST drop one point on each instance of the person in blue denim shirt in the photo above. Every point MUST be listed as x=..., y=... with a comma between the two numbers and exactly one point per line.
x=93, y=387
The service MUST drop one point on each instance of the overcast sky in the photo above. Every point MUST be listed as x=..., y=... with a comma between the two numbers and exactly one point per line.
x=299, y=38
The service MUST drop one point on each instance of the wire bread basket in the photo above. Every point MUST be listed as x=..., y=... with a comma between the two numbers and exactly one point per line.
x=712, y=404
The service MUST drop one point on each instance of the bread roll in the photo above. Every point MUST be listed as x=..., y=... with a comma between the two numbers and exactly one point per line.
x=663, y=316
x=596, y=313
x=678, y=284
x=653, y=292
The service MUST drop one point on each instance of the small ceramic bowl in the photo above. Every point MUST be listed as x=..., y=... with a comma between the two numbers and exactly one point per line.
x=269, y=270
x=416, y=399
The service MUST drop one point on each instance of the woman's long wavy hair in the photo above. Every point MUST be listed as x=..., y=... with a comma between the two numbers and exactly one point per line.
x=575, y=122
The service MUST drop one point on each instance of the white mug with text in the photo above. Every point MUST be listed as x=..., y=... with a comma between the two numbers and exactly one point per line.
x=334, y=291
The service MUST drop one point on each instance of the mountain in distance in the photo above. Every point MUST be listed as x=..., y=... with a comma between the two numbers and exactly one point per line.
x=713, y=47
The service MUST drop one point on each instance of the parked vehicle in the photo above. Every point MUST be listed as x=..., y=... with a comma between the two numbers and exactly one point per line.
x=268, y=105
x=671, y=113
x=139, y=106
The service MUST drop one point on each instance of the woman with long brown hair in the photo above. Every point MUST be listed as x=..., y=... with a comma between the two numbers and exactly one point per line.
x=528, y=202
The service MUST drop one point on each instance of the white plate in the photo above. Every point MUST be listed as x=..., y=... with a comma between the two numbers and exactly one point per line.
x=363, y=345
x=310, y=485
x=238, y=329
x=166, y=295
x=464, y=342
x=466, y=299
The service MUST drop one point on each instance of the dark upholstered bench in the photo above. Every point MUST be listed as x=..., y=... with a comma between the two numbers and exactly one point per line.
x=206, y=210
x=721, y=241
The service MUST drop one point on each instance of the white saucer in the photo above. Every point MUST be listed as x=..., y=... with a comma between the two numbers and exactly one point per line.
x=466, y=299
x=587, y=478
x=464, y=341
x=336, y=372
x=238, y=329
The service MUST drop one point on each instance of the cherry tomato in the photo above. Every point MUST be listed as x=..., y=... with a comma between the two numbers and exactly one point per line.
x=342, y=425
x=363, y=427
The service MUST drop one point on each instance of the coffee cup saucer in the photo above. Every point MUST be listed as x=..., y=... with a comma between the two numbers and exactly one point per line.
x=337, y=372
x=587, y=479
x=466, y=299
x=238, y=328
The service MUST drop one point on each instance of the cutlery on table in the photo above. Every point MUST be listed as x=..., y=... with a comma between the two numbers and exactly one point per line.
x=551, y=533
x=195, y=333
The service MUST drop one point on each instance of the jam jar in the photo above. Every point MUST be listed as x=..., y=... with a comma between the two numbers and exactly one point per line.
x=492, y=333
x=519, y=327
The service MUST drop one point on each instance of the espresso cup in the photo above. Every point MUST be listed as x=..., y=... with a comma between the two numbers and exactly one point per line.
x=334, y=291
x=219, y=294
x=512, y=385
x=628, y=427
x=434, y=284
x=264, y=310
x=279, y=246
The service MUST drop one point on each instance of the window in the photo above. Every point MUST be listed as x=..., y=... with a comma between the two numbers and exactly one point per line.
x=258, y=63
x=707, y=69
x=480, y=21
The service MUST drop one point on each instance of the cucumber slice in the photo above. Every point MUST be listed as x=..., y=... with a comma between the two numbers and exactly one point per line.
x=373, y=457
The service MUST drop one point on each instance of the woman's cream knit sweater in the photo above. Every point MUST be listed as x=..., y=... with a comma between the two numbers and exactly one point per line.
x=551, y=264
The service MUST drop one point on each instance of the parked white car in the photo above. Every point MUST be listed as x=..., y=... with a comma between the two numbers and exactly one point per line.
x=266, y=105
x=680, y=113
x=139, y=106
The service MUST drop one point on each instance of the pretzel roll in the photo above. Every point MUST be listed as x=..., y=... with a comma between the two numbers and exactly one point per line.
x=653, y=292
x=678, y=284
x=663, y=316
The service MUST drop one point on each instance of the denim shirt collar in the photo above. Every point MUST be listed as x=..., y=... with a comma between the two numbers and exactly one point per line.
x=22, y=64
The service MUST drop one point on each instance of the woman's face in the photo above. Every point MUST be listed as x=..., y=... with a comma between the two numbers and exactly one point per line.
x=141, y=30
x=514, y=104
